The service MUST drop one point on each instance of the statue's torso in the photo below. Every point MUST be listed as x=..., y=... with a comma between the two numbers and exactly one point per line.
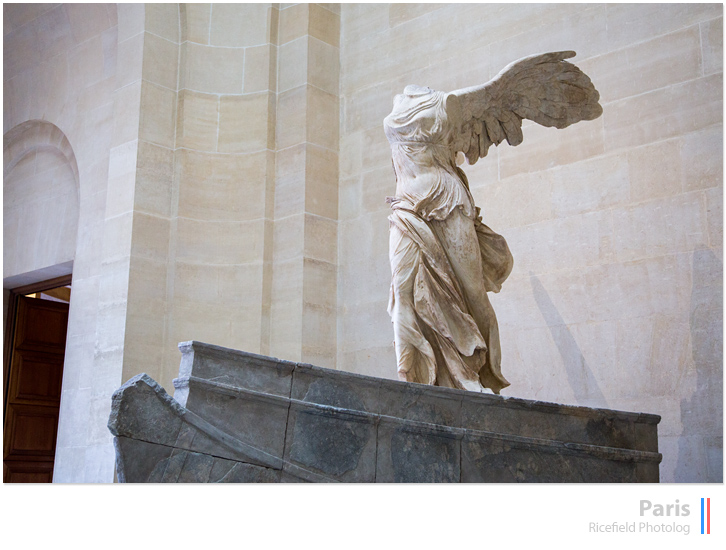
x=420, y=135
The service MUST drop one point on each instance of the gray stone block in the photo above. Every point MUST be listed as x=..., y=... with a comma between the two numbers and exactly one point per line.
x=417, y=403
x=560, y=422
x=143, y=410
x=239, y=472
x=646, y=433
x=335, y=388
x=136, y=460
x=248, y=418
x=385, y=397
x=218, y=364
x=499, y=460
x=257, y=419
x=195, y=468
x=647, y=472
x=416, y=454
x=334, y=442
x=153, y=463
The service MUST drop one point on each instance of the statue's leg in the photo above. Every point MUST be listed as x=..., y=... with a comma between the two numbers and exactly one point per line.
x=457, y=235
x=414, y=355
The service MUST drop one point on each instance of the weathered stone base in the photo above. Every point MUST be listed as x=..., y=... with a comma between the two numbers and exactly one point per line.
x=240, y=417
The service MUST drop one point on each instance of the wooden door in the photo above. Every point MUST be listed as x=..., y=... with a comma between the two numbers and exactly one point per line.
x=33, y=391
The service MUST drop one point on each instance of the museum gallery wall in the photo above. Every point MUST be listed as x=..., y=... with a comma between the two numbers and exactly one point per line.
x=219, y=173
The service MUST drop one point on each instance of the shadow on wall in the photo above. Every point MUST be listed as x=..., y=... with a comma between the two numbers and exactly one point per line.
x=579, y=375
x=702, y=414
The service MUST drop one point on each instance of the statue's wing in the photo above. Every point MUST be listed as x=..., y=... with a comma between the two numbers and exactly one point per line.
x=543, y=88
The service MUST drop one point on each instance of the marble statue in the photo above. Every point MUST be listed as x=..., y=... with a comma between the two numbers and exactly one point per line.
x=444, y=260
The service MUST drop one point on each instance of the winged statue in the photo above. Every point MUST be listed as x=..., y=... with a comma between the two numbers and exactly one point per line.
x=444, y=259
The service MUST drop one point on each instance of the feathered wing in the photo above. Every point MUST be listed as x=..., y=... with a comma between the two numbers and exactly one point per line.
x=543, y=88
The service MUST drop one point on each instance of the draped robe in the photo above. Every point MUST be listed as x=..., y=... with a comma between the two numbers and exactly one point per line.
x=444, y=260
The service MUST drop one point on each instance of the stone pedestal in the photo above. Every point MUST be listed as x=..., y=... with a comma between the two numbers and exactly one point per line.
x=241, y=417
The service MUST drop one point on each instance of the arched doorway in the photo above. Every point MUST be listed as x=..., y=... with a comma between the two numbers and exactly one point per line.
x=40, y=215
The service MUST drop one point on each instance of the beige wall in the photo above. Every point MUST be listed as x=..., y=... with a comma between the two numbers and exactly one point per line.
x=231, y=175
x=60, y=68
x=223, y=171
x=40, y=201
x=303, y=304
x=187, y=121
x=233, y=215
x=615, y=225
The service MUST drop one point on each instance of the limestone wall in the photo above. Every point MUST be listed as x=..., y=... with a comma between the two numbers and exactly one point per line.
x=234, y=232
x=200, y=186
x=204, y=194
x=60, y=68
x=303, y=292
x=615, y=225
x=40, y=201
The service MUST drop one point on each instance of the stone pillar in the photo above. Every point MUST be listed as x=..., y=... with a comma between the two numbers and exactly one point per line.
x=97, y=317
x=304, y=288
x=149, y=197
x=221, y=198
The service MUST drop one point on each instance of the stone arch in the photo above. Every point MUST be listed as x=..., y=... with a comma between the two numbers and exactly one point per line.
x=41, y=202
x=32, y=135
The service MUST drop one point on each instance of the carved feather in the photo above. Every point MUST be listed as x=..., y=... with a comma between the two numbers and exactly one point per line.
x=544, y=88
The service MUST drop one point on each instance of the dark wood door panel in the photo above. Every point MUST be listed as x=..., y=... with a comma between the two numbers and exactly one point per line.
x=42, y=325
x=31, y=431
x=28, y=472
x=37, y=378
